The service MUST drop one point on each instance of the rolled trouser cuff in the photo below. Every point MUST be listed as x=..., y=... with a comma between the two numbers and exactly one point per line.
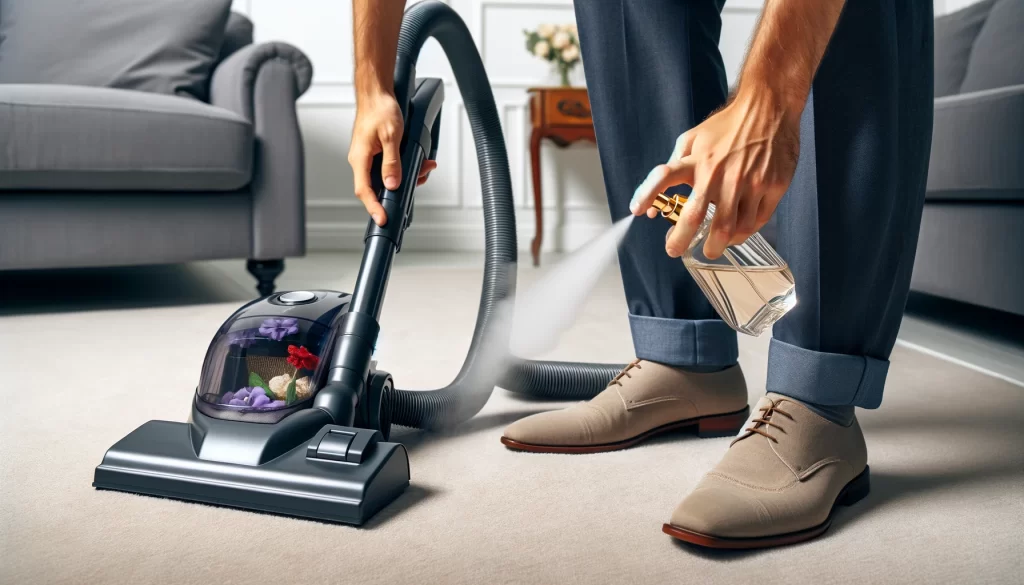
x=830, y=379
x=684, y=342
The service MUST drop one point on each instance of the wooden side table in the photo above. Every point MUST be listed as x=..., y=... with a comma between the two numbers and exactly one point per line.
x=563, y=115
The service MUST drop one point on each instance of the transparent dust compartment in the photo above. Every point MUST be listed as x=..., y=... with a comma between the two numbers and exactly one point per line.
x=261, y=364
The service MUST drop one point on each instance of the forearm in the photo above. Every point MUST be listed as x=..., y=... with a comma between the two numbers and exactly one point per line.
x=375, y=26
x=787, y=48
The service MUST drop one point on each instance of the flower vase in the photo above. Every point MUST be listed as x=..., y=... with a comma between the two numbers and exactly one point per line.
x=563, y=71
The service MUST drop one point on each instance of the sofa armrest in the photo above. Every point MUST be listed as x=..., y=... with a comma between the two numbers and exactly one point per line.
x=978, y=144
x=261, y=83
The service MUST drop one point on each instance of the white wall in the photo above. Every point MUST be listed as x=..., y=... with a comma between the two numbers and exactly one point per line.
x=448, y=215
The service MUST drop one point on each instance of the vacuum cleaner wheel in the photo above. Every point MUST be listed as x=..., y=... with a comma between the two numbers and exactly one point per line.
x=381, y=393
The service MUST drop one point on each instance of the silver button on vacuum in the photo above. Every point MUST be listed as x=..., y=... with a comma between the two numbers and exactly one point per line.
x=297, y=297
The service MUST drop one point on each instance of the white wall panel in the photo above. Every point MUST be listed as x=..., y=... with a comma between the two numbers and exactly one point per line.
x=321, y=28
x=432, y=62
x=503, y=45
x=448, y=213
x=570, y=179
x=326, y=129
x=325, y=134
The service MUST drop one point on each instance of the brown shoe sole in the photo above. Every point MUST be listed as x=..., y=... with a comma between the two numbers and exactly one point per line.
x=719, y=425
x=852, y=493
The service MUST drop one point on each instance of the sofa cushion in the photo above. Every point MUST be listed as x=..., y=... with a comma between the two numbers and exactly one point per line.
x=160, y=46
x=997, y=59
x=954, y=37
x=91, y=138
x=978, y=146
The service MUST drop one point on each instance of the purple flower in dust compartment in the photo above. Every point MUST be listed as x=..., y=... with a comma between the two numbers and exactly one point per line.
x=277, y=328
x=250, y=397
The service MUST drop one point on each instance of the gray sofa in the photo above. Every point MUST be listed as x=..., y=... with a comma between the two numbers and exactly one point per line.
x=971, y=247
x=132, y=154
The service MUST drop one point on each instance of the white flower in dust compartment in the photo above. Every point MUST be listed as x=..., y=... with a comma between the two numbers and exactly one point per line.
x=279, y=386
x=546, y=30
x=542, y=49
x=561, y=40
x=570, y=54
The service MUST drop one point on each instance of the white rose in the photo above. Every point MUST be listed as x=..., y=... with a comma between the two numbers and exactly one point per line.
x=541, y=49
x=279, y=386
x=561, y=40
x=570, y=53
x=545, y=31
x=302, y=389
x=575, y=32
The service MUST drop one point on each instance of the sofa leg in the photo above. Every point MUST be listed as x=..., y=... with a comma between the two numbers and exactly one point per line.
x=265, y=271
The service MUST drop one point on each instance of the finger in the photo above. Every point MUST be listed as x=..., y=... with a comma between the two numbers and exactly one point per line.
x=361, y=162
x=723, y=227
x=422, y=179
x=660, y=178
x=690, y=218
x=390, y=136
x=652, y=212
x=428, y=165
x=746, y=222
x=766, y=208
x=683, y=145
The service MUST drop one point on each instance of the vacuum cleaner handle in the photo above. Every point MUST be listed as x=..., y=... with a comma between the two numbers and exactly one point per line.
x=419, y=138
x=419, y=141
x=425, y=120
x=358, y=327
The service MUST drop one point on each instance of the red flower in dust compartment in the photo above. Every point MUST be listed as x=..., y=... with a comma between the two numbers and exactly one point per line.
x=301, y=358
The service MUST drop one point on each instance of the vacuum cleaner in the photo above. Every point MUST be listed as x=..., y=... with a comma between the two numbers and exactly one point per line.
x=291, y=415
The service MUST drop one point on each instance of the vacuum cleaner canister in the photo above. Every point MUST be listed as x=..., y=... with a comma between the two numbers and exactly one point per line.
x=254, y=439
x=291, y=415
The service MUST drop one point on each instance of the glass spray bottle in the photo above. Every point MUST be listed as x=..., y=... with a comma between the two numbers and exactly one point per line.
x=749, y=285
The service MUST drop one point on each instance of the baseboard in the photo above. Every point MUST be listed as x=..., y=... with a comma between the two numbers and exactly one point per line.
x=461, y=237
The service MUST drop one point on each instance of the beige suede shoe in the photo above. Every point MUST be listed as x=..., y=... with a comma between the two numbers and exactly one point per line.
x=644, y=399
x=778, y=483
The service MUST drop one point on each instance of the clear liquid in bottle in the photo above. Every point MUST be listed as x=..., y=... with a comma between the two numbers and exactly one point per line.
x=749, y=285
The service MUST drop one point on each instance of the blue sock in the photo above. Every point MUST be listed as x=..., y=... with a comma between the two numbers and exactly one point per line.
x=704, y=369
x=841, y=415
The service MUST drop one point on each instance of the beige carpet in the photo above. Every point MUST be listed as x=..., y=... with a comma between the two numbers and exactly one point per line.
x=947, y=459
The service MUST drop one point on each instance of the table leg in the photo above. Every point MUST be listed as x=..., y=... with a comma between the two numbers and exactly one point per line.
x=538, y=207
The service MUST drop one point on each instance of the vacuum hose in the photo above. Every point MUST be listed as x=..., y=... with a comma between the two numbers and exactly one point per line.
x=472, y=387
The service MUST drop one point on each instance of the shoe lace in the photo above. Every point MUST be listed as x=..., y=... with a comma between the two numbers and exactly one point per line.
x=763, y=424
x=625, y=372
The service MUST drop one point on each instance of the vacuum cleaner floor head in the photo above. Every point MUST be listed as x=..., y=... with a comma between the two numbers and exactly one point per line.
x=343, y=474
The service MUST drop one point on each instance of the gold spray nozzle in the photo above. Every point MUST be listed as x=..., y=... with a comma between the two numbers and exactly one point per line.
x=670, y=207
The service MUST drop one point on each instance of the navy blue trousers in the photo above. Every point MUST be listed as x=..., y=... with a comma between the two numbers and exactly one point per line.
x=847, y=226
